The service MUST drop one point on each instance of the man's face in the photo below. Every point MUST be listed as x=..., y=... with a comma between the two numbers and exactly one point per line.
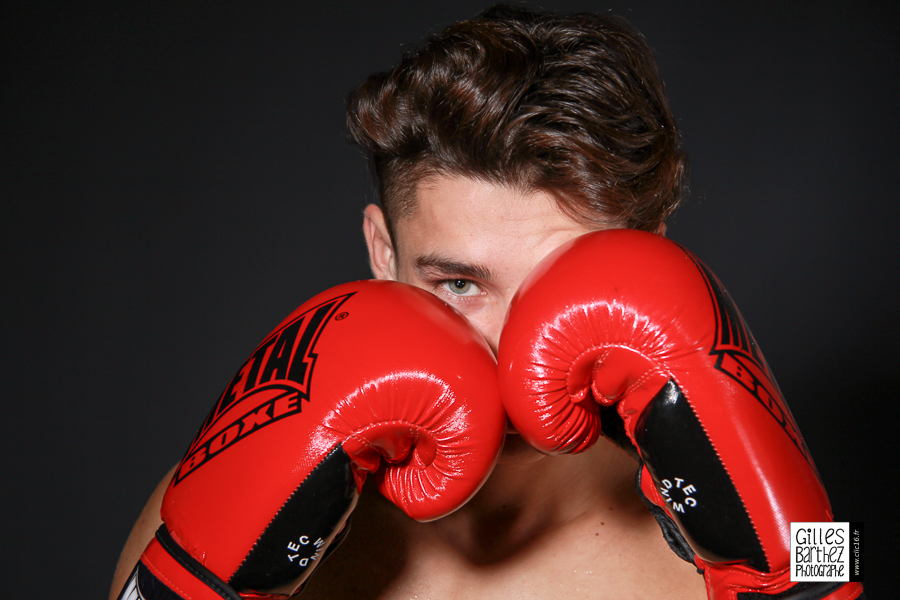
x=471, y=243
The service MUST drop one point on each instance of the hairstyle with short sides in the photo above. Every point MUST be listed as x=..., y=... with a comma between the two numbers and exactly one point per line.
x=570, y=104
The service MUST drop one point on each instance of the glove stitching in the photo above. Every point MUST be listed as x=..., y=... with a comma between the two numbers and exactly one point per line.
x=192, y=565
x=655, y=368
x=646, y=376
x=336, y=448
x=414, y=430
x=727, y=470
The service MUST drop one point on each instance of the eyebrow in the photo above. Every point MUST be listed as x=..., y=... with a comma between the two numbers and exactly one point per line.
x=447, y=266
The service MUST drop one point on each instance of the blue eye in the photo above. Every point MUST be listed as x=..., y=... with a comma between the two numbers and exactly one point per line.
x=461, y=287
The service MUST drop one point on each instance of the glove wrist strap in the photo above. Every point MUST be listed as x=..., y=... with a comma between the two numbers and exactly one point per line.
x=167, y=572
x=736, y=582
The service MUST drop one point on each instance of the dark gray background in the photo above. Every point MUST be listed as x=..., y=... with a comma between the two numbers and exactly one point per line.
x=175, y=180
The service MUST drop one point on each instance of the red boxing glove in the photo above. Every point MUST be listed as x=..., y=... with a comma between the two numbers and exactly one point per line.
x=628, y=321
x=364, y=375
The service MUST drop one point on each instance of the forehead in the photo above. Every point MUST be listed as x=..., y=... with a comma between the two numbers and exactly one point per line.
x=475, y=221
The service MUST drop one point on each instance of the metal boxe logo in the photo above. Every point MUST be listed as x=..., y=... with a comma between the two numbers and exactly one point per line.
x=271, y=385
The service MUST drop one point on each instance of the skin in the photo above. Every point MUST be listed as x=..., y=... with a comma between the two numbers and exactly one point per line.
x=541, y=527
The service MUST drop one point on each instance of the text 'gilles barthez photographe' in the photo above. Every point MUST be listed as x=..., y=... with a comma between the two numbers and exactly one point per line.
x=826, y=551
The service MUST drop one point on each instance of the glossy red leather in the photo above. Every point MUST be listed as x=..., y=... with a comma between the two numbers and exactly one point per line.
x=393, y=375
x=608, y=319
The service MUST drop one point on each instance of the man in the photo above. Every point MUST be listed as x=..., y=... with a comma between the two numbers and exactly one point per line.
x=503, y=138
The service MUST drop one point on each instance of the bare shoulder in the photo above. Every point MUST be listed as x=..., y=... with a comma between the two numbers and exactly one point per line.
x=141, y=533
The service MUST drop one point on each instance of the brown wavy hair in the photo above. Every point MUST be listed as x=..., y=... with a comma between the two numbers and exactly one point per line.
x=570, y=104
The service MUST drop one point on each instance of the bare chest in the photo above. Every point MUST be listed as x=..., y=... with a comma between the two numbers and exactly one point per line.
x=582, y=563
